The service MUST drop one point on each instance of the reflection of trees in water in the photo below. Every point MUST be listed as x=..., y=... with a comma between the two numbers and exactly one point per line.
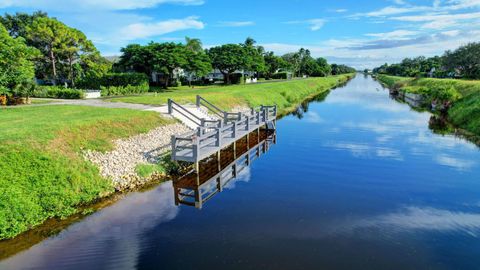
x=439, y=124
x=303, y=107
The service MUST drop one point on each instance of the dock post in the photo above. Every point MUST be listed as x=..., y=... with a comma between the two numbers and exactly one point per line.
x=235, y=150
x=198, y=198
x=177, y=199
x=173, y=139
x=219, y=161
x=219, y=184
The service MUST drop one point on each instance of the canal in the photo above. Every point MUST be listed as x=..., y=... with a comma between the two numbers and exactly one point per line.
x=354, y=181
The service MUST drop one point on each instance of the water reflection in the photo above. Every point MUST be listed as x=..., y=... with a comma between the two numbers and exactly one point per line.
x=414, y=218
x=219, y=172
x=108, y=239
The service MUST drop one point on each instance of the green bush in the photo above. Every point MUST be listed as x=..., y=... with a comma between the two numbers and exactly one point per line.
x=58, y=92
x=123, y=90
x=115, y=79
x=280, y=75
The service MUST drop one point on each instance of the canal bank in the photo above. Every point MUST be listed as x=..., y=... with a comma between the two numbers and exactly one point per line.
x=458, y=101
x=370, y=186
x=50, y=149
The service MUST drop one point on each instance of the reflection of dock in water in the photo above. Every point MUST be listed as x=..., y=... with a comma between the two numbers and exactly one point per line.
x=215, y=172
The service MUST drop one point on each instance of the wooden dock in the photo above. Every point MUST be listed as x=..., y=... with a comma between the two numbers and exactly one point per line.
x=223, y=129
x=213, y=174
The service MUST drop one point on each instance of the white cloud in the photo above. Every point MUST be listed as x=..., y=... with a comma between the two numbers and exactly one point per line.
x=394, y=34
x=236, y=23
x=66, y=5
x=146, y=30
x=314, y=24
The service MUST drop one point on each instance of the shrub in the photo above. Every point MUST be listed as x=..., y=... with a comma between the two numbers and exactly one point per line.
x=57, y=92
x=123, y=90
x=280, y=75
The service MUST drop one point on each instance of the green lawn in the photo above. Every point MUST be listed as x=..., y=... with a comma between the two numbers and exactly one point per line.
x=285, y=95
x=43, y=174
x=465, y=95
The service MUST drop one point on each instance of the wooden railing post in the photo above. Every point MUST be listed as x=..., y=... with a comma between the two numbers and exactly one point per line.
x=196, y=148
x=198, y=101
x=219, y=137
x=170, y=110
x=225, y=117
x=247, y=126
x=234, y=130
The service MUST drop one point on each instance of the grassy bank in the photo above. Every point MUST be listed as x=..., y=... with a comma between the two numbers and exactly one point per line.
x=465, y=95
x=286, y=95
x=43, y=174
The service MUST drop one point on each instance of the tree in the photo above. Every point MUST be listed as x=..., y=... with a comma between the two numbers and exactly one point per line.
x=254, y=60
x=273, y=63
x=228, y=58
x=324, y=67
x=341, y=69
x=71, y=48
x=306, y=62
x=464, y=59
x=16, y=68
x=17, y=24
x=194, y=44
x=293, y=60
x=198, y=63
x=166, y=57
x=51, y=36
x=135, y=58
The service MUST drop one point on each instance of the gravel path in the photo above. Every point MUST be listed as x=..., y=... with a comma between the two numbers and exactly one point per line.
x=119, y=164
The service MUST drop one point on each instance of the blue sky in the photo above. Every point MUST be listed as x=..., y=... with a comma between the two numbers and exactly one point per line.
x=358, y=33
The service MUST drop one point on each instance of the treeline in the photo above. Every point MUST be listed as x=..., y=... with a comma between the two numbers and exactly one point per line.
x=46, y=49
x=463, y=62
x=36, y=46
x=229, y=59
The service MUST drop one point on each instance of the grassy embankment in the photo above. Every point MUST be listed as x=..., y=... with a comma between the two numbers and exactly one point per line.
x=286, y=95
x=465, y=95
x=43, y=174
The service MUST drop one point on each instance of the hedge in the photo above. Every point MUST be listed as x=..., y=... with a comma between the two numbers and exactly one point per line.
x=280, y=75
x=115, y=79
x=123, y=90
x=58, y=92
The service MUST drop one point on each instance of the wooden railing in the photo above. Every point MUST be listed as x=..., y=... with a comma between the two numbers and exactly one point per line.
x=208, y=139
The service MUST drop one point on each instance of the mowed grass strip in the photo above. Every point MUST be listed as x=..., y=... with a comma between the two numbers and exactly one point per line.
x=465, y=112
x=285, y=94
x=42, y=172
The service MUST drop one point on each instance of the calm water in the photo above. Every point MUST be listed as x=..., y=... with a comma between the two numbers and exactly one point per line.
x=369, y=187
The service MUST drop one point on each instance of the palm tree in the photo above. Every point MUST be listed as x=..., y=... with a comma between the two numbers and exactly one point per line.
x=194, y=44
